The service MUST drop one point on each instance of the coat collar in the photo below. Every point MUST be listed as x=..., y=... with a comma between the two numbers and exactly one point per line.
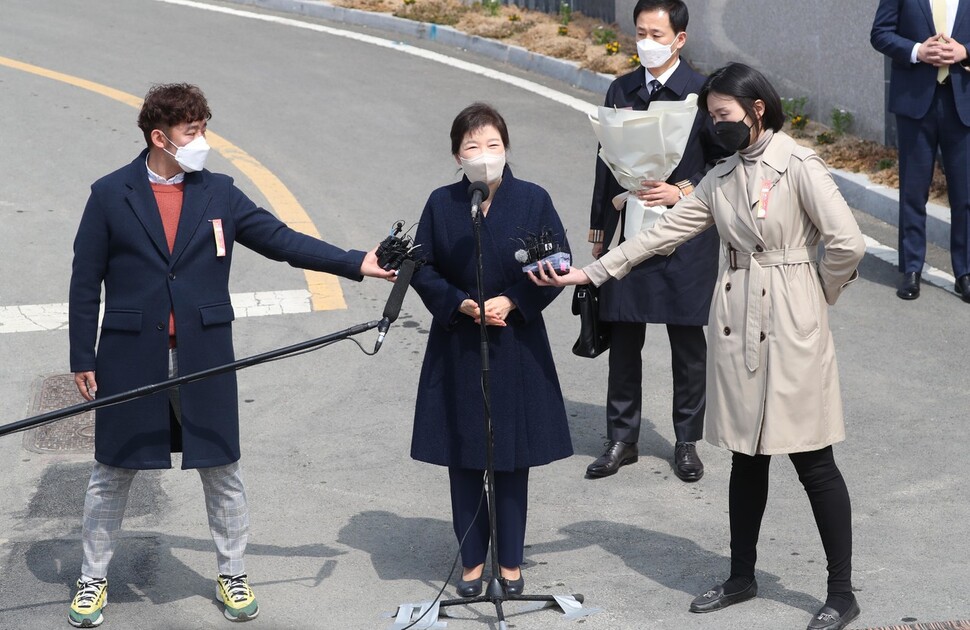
x=777, y=156
x=677, y=83
x=142, y=201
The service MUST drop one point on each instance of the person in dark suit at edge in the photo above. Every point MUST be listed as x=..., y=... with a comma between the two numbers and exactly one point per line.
x=674, y=290
x=929, y=91
x=158, y=235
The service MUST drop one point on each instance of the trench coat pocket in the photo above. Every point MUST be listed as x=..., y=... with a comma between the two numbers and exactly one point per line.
x=127, y=321
x=217, y=314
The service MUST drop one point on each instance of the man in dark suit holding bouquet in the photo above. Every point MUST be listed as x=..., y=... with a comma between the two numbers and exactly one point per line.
x=675, y=290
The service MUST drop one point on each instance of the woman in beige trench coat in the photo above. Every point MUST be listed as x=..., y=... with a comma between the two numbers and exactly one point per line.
x=772, y=379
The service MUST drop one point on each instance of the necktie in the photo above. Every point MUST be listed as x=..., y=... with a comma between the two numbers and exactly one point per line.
x=653, y=86
x=939, y=23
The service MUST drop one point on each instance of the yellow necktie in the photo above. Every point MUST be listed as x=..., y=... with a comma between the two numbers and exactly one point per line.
x=939, y=22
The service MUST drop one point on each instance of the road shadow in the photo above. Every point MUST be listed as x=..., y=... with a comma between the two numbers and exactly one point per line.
x=675, y=562
x=587, y=427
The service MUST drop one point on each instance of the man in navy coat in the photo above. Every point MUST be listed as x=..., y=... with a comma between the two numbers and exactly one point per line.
x=159, y=235
x=929, y=91
x=674, y=290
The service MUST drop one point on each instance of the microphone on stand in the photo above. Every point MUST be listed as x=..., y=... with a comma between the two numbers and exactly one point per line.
x=394, y=302
x=479, y=193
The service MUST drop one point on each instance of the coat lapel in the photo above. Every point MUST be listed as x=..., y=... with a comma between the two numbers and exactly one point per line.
x=960, y=17
x=927, y=10
x=194, y=202
x=142, y=202
x=735, y=192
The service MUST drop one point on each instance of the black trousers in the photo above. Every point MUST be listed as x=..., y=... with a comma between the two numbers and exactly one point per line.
x=823, y=482
x=511, y=506
x=624, y=397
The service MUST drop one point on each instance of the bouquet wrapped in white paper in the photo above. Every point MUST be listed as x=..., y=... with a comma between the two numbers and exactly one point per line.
x=643, y=145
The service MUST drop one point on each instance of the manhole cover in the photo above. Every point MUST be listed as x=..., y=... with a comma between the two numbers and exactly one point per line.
x=70, y=435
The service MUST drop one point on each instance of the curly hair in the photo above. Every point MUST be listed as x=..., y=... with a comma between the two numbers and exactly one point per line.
x=172, y=104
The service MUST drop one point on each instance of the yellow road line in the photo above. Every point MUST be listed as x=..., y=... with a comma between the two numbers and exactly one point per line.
x=324, y=288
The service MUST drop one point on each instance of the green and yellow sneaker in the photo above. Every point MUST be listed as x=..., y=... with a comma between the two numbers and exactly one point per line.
x=239, y=600
x=91, y=599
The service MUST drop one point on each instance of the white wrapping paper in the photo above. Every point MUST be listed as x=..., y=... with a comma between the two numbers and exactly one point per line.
x=639, y=145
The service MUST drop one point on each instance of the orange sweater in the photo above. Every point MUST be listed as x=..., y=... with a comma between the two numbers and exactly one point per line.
x=169, y=199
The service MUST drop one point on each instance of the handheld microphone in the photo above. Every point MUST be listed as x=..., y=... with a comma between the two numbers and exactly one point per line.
x=394, y=302
x=479, y=193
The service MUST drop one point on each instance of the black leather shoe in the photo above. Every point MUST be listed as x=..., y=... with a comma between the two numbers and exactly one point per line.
x=617, y=454
x=687, y=465
x=963, y=287
x=513, y=587
x=716, y=598
x=471, y=588
x=829, y=619
x=909, y=287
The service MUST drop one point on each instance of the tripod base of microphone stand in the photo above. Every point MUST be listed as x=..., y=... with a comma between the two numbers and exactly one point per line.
x=571, y=605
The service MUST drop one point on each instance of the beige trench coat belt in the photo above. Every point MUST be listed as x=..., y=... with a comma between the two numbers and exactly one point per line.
x=756, y=318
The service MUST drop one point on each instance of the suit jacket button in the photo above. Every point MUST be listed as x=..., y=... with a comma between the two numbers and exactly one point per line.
x=727, y=330
x=159, y=326
x=171, y=276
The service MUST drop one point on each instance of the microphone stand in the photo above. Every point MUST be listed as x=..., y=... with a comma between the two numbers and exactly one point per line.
x=494, y=592
x=147, y=390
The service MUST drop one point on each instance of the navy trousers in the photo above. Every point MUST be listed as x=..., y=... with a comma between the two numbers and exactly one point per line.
x=469, y=513
x=919, y=140
x=624, y=396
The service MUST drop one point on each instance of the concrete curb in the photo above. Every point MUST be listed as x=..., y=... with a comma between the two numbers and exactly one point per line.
x=860, y=193
x=559, y=69
x=882, y=202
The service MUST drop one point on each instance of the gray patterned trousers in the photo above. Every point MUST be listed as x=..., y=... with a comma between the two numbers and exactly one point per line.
x=107, y=497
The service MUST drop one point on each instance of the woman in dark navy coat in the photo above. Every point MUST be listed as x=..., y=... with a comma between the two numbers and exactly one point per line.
x=527, y=412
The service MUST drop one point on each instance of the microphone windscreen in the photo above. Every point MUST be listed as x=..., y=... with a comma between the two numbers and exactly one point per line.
x=522, y=256
x=394, y=302
x=480, y=187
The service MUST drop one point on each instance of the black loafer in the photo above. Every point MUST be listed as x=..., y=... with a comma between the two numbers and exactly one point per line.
x=513, y=587
x=471, y=588
x=829, y=619
x=962, y=287
x=716, y=598
x=617, y=454
x=687, y=465
x=909, y=287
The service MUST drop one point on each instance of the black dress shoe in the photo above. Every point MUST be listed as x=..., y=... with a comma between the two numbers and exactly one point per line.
x=962, y=287
x=617, y=454
x=909, y=287
x=513, y=587
x=471, y=588
x=716, y=598
x=687, y=465
x=829, y=619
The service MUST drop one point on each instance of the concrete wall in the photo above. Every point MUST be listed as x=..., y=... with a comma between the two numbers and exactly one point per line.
x=814, y=48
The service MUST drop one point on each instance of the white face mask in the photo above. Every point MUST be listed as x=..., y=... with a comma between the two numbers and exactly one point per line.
x=485, y=167
x=652, y=54
x=192, y=156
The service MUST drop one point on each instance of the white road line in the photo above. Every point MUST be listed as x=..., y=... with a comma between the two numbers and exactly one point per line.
x=44, y=317
x=531, y=86
x=931, y=275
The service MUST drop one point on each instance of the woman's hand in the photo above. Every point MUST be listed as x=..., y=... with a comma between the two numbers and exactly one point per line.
x=496, y=310
x=656, y=193
x=546, y=276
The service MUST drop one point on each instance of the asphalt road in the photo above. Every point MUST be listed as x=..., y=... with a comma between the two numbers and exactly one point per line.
x=345, y=525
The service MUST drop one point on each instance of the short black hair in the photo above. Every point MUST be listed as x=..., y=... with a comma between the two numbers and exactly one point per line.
x=170, y=104
x=746, y=85
x=676, y=11
x=473, y=118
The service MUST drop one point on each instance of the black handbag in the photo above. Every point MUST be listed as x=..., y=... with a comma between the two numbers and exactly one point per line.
x=594, y=335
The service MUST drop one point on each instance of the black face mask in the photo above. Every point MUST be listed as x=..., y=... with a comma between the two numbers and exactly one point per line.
x=733, y=136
